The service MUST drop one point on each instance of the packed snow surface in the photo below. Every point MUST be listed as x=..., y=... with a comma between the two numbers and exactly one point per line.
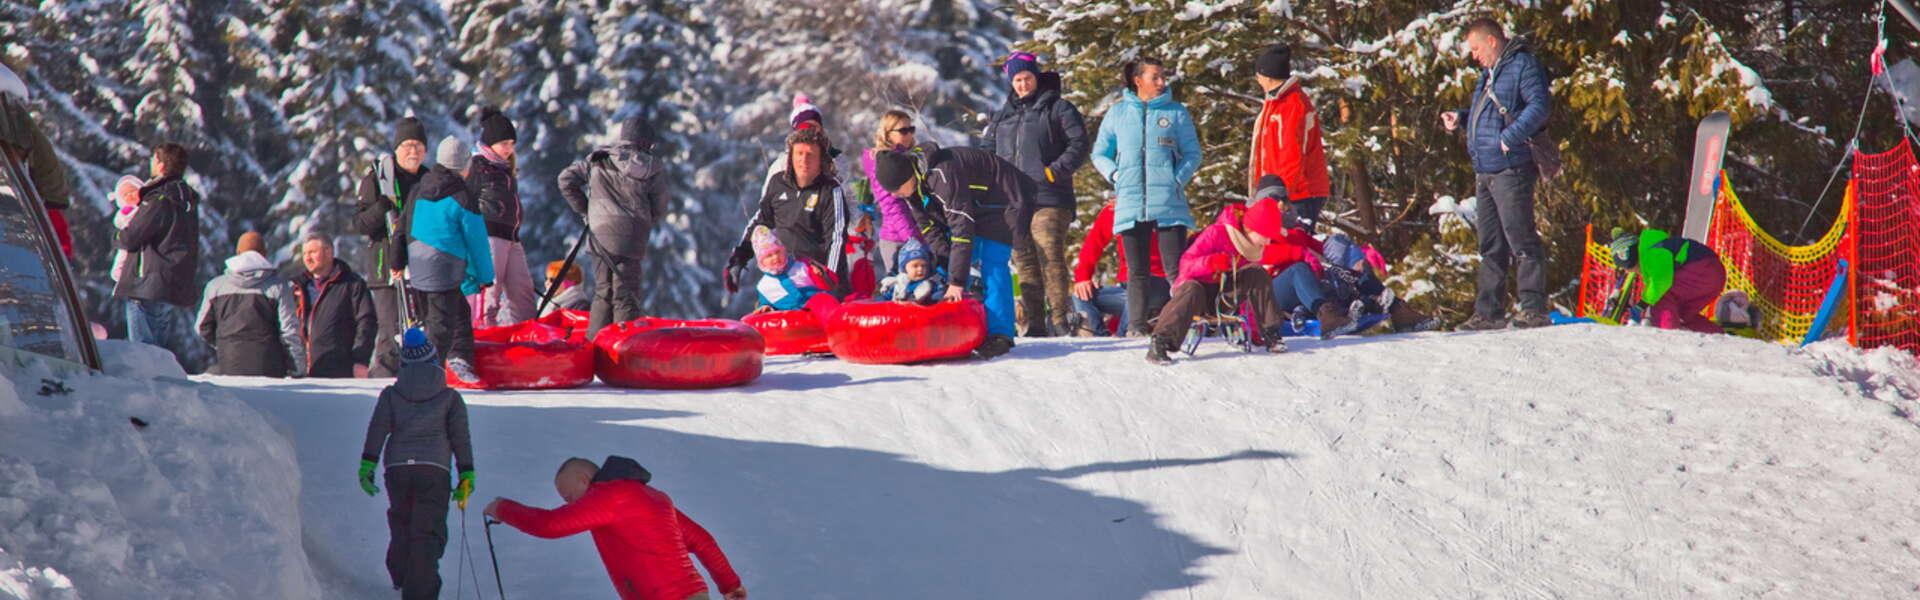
x=1575, y=461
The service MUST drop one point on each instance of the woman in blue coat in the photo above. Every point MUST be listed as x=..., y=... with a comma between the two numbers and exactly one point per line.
x=1148, y=149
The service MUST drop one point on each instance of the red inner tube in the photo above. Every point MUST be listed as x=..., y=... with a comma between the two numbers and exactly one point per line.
x=875, y=332
x=528, y=356
x=574, y=321
x=674, y=354
x=789, y=332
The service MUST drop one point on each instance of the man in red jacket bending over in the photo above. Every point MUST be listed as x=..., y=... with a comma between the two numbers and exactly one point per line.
x=642, y=538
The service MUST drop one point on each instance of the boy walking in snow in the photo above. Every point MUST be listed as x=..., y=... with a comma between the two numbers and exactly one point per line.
x=420, y=423
x=442, y=245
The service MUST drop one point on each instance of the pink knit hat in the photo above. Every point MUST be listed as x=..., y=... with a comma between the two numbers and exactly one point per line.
x=803, y=111
x=764, y=241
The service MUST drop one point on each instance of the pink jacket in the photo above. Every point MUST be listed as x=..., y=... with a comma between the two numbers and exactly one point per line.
x=1198, y=264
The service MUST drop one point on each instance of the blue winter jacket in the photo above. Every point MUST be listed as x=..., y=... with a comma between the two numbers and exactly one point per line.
x=1149, y=151
x=451, y=236
x=1520, y=86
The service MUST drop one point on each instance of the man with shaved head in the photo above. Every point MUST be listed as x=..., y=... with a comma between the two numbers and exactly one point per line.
x=643, y=539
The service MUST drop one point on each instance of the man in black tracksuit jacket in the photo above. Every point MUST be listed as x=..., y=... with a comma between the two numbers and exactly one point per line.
x=620, y=191
x=336, y=313
x=383, y=191
x=809, y=217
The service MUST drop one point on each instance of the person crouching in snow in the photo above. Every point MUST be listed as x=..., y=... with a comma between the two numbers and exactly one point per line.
x=1230, y=248
x=420, y=423
x=790, y=282
x=642, y=537
x=1682, y=277
x=916, y=282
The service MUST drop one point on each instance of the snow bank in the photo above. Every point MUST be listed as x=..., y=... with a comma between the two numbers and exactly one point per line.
x=201, y=502
x=1574, y=461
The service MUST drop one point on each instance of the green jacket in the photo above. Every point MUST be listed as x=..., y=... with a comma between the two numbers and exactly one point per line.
x=1660, y=255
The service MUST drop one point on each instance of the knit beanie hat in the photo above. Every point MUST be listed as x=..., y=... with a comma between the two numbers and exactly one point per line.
x=635, y=130
x=1264, y=218
x=415, y=348
x=251, y=242
x=803, y=111
x=409, y=129
x=893, y=168
x=1021, y=61
x=494, y=127
x=1269, y=186
x=764, y=241
x=1276, y=62
x=453, y=154
x=911, y=251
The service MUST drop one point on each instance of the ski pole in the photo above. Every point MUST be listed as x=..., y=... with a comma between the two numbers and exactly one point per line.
x=502, y=587
x=554, y=285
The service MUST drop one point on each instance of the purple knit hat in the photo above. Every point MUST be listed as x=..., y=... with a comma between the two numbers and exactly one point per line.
x=1020, y=61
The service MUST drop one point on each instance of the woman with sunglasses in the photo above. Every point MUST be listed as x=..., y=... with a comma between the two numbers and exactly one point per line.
x=896, y=223
x=1148, y=149
x=1045, y=136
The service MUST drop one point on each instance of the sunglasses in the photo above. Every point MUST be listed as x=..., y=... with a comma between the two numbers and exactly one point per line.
x=907, y=129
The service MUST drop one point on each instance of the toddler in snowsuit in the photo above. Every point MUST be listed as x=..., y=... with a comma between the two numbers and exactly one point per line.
x=126, y=193
x=916, y=282
x=1681, y=277
x=790, y=283
x=419, y=423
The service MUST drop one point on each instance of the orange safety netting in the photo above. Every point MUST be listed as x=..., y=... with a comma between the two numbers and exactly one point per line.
x=1785, y=283
x=1886, y=289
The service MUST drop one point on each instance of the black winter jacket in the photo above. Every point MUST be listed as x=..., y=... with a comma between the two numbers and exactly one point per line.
x=383, y=192
x=1040, y=133
x=498, y=194
x=164, y=238
x=969, y=194
x=620, y=191
x=336, y=321
x=810, y=221
x=251, y=319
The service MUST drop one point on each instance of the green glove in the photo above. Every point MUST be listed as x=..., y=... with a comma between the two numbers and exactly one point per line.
x=366, y=477
x=465, y=489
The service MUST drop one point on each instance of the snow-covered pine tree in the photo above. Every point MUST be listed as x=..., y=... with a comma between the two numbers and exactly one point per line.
x=347, y=73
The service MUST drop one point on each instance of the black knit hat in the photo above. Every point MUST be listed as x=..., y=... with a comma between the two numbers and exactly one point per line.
x=494, y=127
x=1269, y=186
x=635, y=130
x=893, y=168
x=1276, y=62
x=409, y=129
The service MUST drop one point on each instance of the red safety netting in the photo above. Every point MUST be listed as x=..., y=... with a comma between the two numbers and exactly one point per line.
x=1886, y=291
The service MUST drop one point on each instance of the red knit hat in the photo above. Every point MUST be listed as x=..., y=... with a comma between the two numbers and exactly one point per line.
x=1264, y=218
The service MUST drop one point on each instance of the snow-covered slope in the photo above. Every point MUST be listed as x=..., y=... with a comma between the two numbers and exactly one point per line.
x=1573, y=461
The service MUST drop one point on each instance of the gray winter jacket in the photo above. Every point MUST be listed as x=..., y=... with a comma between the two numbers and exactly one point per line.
x=619, y=190
x=252, y=321
x=420, y=421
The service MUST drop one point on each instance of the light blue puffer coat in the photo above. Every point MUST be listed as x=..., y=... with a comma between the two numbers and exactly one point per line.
x=1149, y=151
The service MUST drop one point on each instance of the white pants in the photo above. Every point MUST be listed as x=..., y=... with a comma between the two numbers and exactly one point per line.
x=511, y=299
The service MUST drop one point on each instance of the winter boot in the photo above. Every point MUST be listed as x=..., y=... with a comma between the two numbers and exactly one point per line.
x=1405, y=319
x=1158, y=349
x=1299, y=319
x=1334, y=322
x=1080, y=328
x=995, y=345
x=462, y=371
x=1275, y=345
x=1479, y=323
x=1530, y=319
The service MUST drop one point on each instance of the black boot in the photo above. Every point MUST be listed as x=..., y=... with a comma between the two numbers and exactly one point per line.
x=995, y=345
x=1157, y=351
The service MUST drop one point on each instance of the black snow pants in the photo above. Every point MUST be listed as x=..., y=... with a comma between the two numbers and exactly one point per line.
x=417, y=497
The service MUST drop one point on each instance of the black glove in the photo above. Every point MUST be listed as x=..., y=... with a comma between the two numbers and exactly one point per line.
x=736, y=270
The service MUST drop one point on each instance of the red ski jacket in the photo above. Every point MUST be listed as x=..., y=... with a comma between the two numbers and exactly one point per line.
x=1099, y=235
x=641, y=537
x=1286, y=142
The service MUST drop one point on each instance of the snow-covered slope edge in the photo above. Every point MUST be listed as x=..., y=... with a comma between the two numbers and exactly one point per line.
x=201, y=502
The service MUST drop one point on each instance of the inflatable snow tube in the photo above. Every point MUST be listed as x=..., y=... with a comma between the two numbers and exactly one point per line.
x=678, y=355
x=789, y=332
x=891, y=333
x=574, y=322
x=528, y=356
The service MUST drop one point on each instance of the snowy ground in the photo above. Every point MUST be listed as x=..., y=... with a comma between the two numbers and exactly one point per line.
x=1570, y=462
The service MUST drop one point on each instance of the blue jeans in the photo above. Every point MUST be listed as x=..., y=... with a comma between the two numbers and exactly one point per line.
x=157, y=323
x=1296, y=286
x=997, y=276
x=1110, y=301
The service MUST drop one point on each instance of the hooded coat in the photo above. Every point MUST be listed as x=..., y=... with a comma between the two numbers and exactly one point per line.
x=1045, y=136
x=420, y=421
x=620, y=192
x=250, y=317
